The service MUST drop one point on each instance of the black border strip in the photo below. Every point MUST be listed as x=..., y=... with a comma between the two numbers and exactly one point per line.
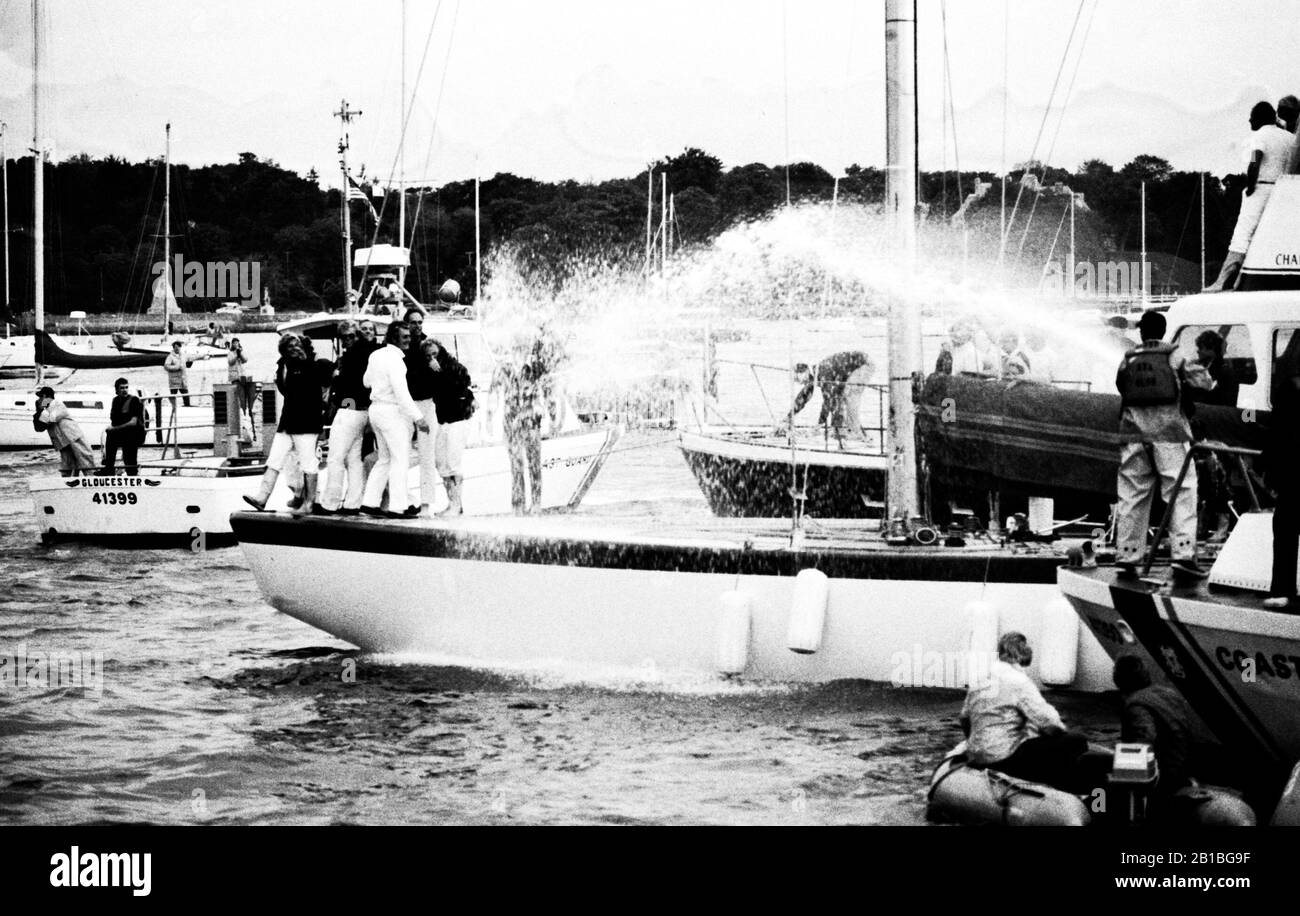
x=1263, y=734
x=1139, y=610
x=404, y=539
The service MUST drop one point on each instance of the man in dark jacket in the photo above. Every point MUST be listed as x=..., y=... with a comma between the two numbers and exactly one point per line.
x=453, y=397
x=1186, y=750
x=350, y=401
x=1283, y=447
x=125, y=429
x=420, y=380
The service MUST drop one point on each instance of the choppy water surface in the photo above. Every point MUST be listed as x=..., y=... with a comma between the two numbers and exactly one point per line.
x=213, y=708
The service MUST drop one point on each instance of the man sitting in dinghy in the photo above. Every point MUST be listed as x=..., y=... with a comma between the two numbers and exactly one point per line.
x=1012, y=729
x=1186, y=751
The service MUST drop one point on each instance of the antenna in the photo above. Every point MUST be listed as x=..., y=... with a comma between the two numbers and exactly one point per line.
x=345, y=116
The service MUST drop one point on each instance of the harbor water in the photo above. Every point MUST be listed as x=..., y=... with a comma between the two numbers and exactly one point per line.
x=192, y=701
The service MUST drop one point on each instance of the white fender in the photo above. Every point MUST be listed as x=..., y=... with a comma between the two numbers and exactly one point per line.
x=1058, y=651
x=733, y=632
x=808, y=611
x=982, y=642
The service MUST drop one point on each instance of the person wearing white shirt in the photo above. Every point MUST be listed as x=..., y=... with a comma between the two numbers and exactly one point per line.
x=1042, y=359
x=1267, y=151
x=394, y=417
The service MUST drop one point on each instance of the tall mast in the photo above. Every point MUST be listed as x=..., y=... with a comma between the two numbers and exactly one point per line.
x=1142, y=268
x=649, y=218
x=1202, y=230
x=478, y=243
x=4, y=181
x=900, y=206
x=401, y=158
x=663, y=224
x=167, y=233
x=1069, y=270
x=38, y=185
x=345, y=116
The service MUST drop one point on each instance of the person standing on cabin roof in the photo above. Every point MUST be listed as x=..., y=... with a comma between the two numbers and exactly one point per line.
x=1042, y=359
x=1156, y=436
x=176, y=378
x=1268, y=150
x=125, y=430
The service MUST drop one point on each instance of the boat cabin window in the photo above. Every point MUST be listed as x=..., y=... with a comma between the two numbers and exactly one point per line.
x=1238, y=355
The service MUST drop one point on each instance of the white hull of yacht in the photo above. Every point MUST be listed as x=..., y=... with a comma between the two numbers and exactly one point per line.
x=540, y=592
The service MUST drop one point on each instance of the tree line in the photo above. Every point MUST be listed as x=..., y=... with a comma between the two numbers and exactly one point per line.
x=104, y=220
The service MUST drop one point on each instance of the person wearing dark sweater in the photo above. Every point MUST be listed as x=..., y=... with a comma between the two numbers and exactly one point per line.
x=453, y=397
x=300, y=380
x=350, y=401
x=420, y=381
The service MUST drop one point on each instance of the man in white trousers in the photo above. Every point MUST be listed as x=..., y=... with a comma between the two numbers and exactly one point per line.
x=351, y=401
x=393, y=416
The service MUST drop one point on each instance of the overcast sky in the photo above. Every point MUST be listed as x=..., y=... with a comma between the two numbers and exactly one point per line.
x=592, y=89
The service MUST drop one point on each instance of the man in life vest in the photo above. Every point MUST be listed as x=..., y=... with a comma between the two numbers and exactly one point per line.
x=1156, y=437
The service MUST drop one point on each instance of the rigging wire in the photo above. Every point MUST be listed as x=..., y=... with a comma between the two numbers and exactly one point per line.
x=406, y=110
x=1043, y=125
x=952, y=109
x=1051, y=149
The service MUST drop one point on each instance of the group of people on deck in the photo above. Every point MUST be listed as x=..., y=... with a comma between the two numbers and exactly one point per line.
x=406, y=386
x=1005, y=354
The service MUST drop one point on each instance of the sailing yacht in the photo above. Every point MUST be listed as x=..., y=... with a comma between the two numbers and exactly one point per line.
x=738, y=597
x=187, y=421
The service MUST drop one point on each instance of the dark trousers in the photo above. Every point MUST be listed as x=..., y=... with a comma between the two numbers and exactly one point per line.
x=1051, y=759
x=1286, y=540
x=184, y=391
x=129, y=443
x=524, y=442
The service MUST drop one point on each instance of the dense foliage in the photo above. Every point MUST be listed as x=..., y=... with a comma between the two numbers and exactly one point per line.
x=104, y=222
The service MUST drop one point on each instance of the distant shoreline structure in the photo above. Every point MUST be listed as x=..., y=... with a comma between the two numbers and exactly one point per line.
x=184, y=323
